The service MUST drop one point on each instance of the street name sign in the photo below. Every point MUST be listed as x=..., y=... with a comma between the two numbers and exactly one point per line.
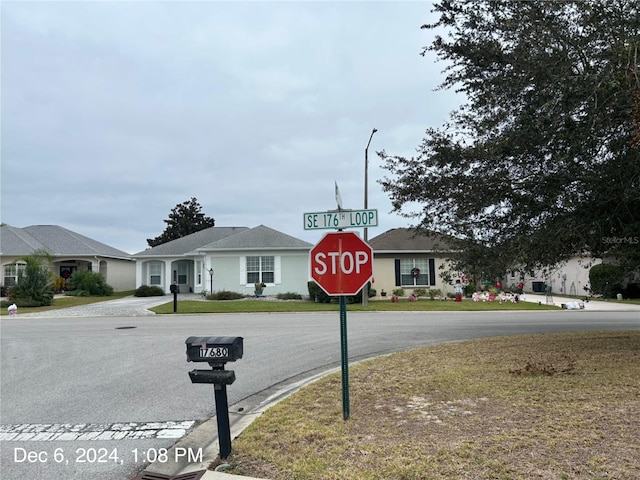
x=340, y=219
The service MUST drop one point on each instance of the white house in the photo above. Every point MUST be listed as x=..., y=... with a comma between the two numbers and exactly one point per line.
x=565, y=278
x=227, y=258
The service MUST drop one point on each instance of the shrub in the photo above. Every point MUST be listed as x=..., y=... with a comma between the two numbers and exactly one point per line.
x=434, y=292
x=398, y=292
x=88, y=283
x=632, y=290
x=470, y=289
x=225, y=295
x=148, y=291
x=316, y=294
x=27, y=302
x=289, y=296
x=605, y=279
x=33, y=288
x=59, y=284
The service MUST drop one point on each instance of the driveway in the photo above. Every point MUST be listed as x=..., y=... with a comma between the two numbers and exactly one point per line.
x=591, y=305
x=121, y=307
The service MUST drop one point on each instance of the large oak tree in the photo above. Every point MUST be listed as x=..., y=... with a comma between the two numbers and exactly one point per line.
x=185, y=218
x=542, y=162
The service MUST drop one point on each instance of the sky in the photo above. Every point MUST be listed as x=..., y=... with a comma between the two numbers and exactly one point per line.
x=114, y=112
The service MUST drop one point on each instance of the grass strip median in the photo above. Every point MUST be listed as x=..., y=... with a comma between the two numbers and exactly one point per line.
x=265, y=305
x=561, y=406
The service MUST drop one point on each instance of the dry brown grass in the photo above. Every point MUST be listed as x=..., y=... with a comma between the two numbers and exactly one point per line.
x=556, y=406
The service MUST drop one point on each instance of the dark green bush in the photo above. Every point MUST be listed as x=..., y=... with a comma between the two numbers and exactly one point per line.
x=316, y=294
x=148, y=291
x=289, y=296
x=88, y=283
x=28, y=302
x=225, y=295
x=605, y=279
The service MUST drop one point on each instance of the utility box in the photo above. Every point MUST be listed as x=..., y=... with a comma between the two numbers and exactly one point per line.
x=214, y=349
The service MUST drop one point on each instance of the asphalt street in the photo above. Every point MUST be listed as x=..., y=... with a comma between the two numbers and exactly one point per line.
x=124, y=378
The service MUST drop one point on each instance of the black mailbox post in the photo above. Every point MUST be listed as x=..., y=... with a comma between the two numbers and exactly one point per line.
x=216, y=351
x=175, y=289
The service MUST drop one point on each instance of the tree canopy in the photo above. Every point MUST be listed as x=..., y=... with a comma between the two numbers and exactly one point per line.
x=185, y=218
x=542, y=161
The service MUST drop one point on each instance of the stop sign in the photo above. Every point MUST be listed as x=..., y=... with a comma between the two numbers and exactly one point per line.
x=341, y=263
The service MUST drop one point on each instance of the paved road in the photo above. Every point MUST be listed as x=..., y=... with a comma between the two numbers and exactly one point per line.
x=129, y=386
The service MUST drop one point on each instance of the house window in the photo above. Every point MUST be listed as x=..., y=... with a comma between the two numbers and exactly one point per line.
x=12, y=273
x=155, y=274
x=414, y=272
x=261, y=269
x=198, y=273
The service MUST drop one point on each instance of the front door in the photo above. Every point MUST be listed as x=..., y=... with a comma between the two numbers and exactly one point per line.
x=181, y=276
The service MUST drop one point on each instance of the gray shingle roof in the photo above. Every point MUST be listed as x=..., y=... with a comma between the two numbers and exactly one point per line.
x=190, y=243
x=260, y=237
x=408, y=240
x=56, y=240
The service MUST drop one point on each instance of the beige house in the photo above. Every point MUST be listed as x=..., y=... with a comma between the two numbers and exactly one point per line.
x=70, y=252
x=402, y=259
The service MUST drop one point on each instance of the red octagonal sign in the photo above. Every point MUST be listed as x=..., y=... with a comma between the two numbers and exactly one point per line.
x=341, y=263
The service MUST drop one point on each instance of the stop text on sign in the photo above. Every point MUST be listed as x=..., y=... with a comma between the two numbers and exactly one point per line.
x=341, y=219
x=341, y=263
x=347, y=262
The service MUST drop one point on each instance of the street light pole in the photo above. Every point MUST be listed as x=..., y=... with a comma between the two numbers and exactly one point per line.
x=365, y=291
x=211, y=280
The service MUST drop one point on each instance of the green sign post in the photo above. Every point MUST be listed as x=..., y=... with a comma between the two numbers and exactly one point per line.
x=341, y=264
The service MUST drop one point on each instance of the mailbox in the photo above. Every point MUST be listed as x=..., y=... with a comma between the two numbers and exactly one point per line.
x=173, y=288
x=214, y=349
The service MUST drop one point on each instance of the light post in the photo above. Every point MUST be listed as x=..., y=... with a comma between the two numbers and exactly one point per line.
x=211, y=280
x=365, y=290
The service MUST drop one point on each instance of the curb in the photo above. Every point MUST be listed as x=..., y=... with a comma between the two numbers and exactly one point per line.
x=205, y=436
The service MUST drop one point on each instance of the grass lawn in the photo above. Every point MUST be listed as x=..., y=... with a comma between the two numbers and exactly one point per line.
x=264, y=305
x=551, y=406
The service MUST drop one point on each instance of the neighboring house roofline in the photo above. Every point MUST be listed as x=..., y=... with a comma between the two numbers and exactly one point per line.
x=56, y=241
x=257, y=238
x=409, y=240
x=189, y=244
